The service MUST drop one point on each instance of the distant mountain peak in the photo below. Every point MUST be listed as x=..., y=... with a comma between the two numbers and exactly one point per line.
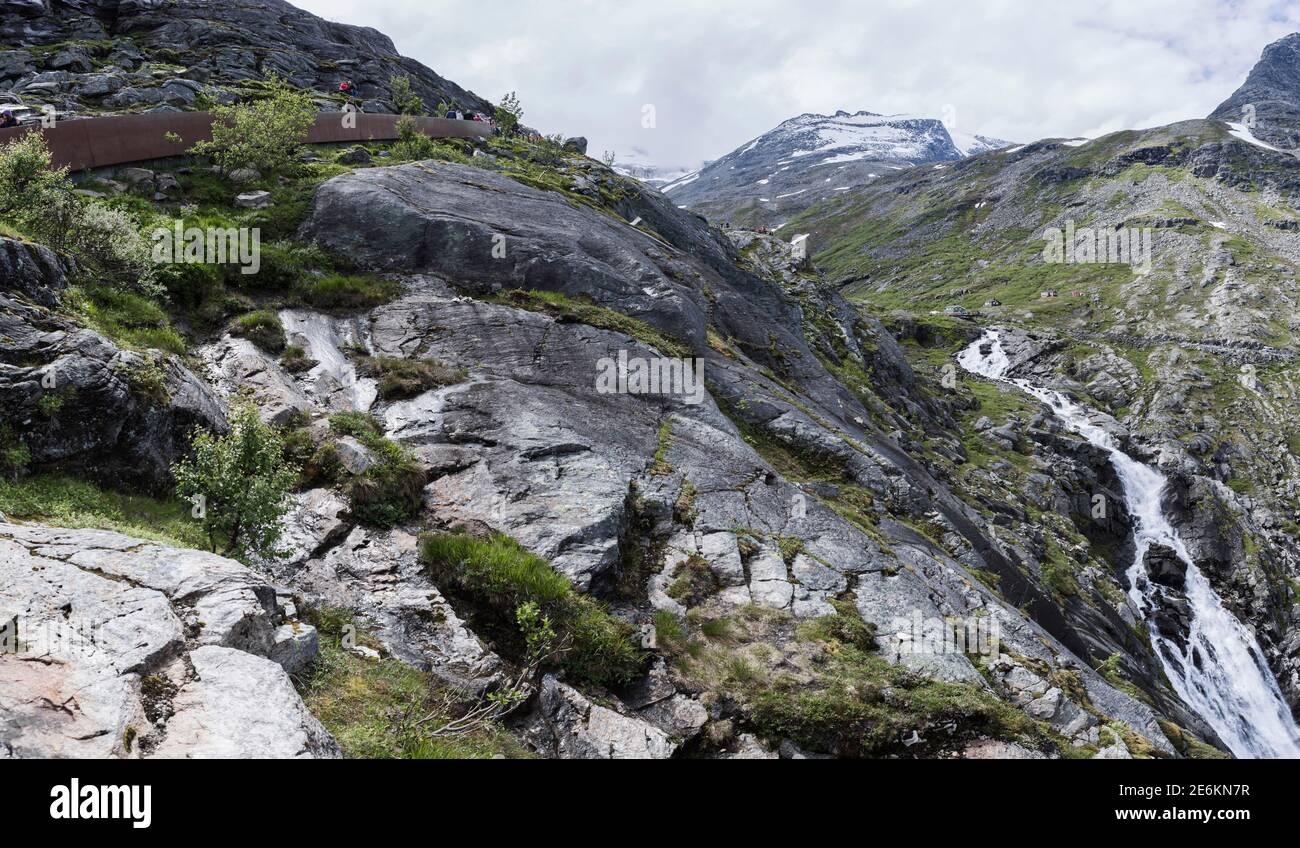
x=811, y=157
x=1270, y=96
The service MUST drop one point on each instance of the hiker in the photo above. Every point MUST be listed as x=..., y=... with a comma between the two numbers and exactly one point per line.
x=7, y=120
x=346, y=88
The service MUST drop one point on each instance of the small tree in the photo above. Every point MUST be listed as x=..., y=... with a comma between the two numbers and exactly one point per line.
x=441, y=110
x=609, y=158
x=404, y=97
x=412, y=145
x=265, y=134
x=509, y=113
x=239, y=485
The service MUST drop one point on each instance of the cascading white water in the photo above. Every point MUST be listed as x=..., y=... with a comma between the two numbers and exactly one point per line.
x=1221, y=674
x=333, y=380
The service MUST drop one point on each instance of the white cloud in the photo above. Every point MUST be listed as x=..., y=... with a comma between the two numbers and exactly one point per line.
x=724, y=72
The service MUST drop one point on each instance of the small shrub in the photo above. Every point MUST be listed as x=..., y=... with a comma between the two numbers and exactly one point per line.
x=509, y=113
x=405, y=100
x=243, y=483
x=14, y=453
x=51, y=403
x=264, y=134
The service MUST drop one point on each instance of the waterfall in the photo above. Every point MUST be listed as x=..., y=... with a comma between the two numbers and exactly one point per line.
x=1221, y=673
x=333, y=381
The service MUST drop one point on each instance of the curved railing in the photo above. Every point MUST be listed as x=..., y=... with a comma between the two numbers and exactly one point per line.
x=119, y=139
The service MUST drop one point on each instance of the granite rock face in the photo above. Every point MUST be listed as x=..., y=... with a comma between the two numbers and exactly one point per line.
x=126, y=648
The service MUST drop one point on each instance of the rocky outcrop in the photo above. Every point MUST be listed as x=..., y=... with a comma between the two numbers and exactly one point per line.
x=32, y=271
x=99, y=56
x=79, y=403
x=1267, y=100
x=570, y=726
x=124, y=648
x=526, y=446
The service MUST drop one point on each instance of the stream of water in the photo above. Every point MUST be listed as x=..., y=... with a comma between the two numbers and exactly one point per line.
x=1221, y=673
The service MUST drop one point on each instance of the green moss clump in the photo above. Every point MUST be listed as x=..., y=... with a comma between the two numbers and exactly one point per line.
x=261, y=327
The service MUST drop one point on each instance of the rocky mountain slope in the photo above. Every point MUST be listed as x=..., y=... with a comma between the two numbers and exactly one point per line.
x=1188, y=357
x=754, y=570
x=814, y=157
x=115, y=56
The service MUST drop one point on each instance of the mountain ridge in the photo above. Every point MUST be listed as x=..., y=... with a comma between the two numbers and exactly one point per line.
x=810, y=157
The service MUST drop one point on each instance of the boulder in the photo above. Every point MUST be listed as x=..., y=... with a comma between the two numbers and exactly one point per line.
x=295, y=646
x=576, y=144
x=32, y=270
x=568, y=725
x=355, y=156
x=239, y=706
x=236, y=364
x=1164, y=566
x=355, y=456
x=253, y=200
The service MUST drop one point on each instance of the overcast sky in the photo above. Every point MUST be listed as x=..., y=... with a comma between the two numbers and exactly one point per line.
x=720, y=72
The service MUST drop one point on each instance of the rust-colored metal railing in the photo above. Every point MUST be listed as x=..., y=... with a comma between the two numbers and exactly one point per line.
x=119, y=139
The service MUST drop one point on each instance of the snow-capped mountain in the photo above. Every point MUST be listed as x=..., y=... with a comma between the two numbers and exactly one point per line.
x=638, y=166
x=812, y=157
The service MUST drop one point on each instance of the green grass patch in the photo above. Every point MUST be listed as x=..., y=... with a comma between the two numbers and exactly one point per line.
x=349, y=291
x=262, y=327
x=375, y=708
x=130, y=319
x=400, y=378
x=496, y=576
x=64, y=501
x=583, y=310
